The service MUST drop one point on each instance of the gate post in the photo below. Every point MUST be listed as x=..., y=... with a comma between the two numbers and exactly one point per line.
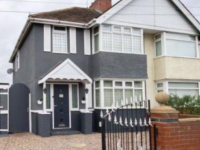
x=103, y=131
x=162, y=117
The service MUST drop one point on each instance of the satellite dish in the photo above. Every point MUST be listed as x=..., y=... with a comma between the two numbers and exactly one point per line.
x=10, y=71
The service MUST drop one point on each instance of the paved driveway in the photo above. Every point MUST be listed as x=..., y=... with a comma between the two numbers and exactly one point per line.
x=27, y=141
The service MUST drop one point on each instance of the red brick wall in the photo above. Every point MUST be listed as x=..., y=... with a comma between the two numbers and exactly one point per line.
x=178, y=136
x=101, y=5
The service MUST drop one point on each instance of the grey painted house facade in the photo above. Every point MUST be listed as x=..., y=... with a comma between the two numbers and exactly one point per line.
x=76, y=63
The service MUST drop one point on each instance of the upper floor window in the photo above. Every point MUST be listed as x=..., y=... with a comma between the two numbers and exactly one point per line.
x=119, y=39
x=59, y=39
x=179, y=45
x=17, y=62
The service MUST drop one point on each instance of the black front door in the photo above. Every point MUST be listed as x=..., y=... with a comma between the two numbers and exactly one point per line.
x=61, y=106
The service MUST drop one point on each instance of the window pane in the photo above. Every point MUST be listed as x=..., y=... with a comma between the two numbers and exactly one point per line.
x=119, y=84
x=118, y=97
x=160, y=85
x=108, y=84
x=137, y=31
x=74, y=96
x=107, y=27
x=136, y=44
x=117, y=42
x=138, y=84
x=159, y=91
x=4, y=102
x=60, y=28
x=181, y=48
x=183, y=85
x=48, y=97
x=96, y=43
x=180, y=37
x=97, y=84
x=129, y=84
x=3, y=91
x=158, y=37
x=108, y=98
x=98, y=99
x=127, y=43
x=107, y=41
x=182, y=93
x=60, y=42
x=128, y=95
x=127, y=30
x=158, y=48
x=138, y=95
x=96, y=30
x=117, y=29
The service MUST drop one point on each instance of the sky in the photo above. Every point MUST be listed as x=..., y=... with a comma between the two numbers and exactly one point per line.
x=12, y=22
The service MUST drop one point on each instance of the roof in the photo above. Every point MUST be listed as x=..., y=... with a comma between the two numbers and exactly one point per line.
x=74, y=14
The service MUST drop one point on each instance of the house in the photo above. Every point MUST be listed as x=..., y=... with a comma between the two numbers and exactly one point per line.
x=4, y=108
x=79, y=61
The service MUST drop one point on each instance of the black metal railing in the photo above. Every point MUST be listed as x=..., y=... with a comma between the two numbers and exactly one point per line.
x=127, y=127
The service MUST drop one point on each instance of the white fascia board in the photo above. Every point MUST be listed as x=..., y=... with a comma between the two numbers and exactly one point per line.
x=188, y=14
x=112, y=11
x=45, y=78
x=58, y=22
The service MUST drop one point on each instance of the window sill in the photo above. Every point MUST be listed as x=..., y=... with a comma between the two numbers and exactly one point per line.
x=60, y=53
x=177, y=57
x=120, y=52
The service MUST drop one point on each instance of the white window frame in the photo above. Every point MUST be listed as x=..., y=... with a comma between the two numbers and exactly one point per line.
x=60, y=32
x=101, y=88
x=166, y=85
x=163, y=40
x=122, y=33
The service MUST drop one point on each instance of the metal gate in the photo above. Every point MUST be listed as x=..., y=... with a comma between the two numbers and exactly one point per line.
x=128, y=127
x=18, y=108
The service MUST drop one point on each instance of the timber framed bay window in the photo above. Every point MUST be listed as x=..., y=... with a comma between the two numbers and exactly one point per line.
x=177, y=45
x=59, y=39
x=179, y=88
x=111, y=93
x=113, y=38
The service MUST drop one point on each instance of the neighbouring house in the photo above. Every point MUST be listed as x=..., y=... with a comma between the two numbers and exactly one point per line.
x=75, y=62
x=4, y=88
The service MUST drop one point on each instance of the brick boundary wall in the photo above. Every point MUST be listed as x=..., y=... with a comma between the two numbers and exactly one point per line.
x=181, y=135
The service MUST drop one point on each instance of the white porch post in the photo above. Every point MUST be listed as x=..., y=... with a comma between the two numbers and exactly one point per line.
x=44, y=97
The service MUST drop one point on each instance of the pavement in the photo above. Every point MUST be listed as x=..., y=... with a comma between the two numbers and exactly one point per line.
x=28, y=141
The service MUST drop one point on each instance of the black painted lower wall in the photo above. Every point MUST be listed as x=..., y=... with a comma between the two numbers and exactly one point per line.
x=3, y=121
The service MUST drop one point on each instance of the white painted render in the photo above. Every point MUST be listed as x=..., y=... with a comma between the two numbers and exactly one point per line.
x=153, y=14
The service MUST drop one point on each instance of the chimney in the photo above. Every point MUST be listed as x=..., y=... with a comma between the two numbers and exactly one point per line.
x=101, y=5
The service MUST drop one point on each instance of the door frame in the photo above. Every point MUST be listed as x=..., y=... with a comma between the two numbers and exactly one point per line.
x=70, y=102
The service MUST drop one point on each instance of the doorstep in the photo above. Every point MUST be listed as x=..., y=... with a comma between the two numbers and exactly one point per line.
x=64, y=132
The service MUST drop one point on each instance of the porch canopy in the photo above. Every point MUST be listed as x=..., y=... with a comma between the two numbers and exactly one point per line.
x=66, y=71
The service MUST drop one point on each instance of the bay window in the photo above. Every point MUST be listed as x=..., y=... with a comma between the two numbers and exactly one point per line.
x=59, y=40
x=114, y=92
x=118, y=39
x=179, y=88
x=178, y=45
